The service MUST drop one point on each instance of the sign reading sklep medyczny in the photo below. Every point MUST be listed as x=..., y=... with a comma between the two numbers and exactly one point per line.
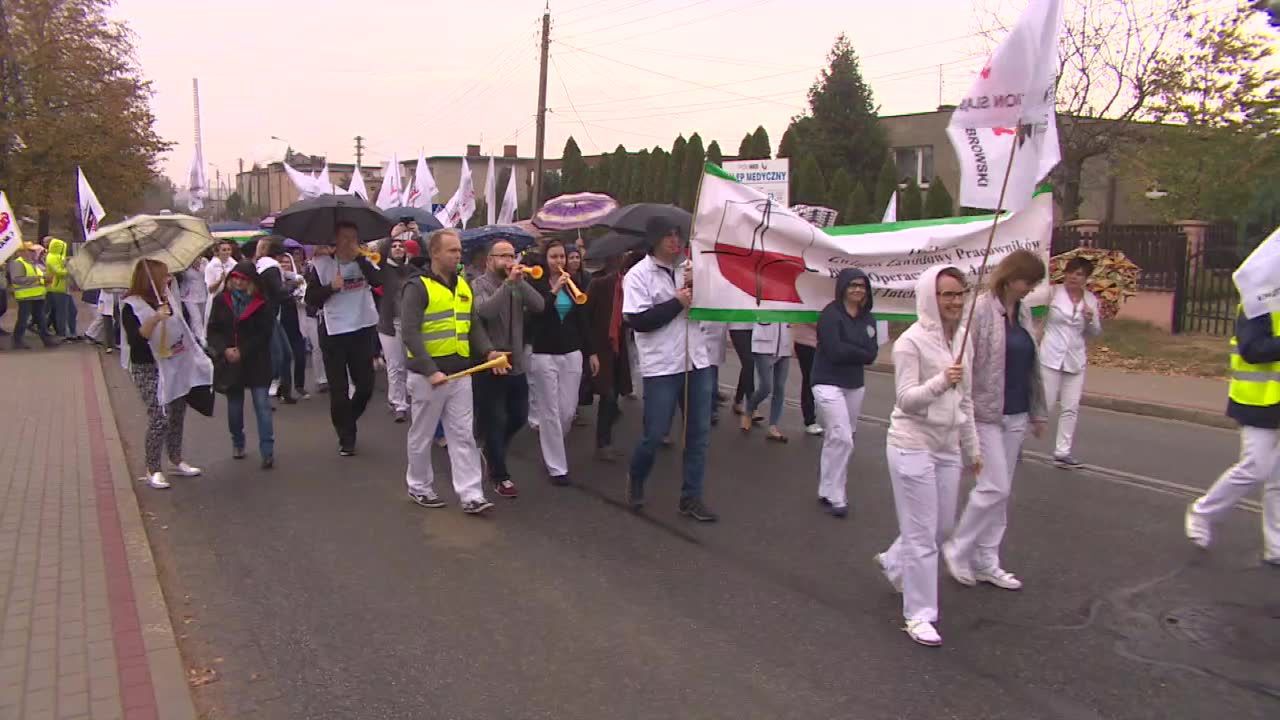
x=771, y=177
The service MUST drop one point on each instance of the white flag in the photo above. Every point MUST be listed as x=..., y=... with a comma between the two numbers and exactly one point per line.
x=389, y=195
x=891, y=210
x=197, y=185
x=323, y=183
x=10, y=234
x=356, y=186
x=423, y=190
x=306, y=185
x=462, y=205
x=91, y=212
x=509, y=201
x=1014, y=96
x=1258, y=278
x=490, y=194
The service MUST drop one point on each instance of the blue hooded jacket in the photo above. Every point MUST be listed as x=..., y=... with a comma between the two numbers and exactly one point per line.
x=845, y=343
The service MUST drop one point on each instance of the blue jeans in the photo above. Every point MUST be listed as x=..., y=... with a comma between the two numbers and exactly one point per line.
x=771, y=375
x=662, y=395
x=502, y=409
x=261, y=411
x=62, y=310
x=31, y=316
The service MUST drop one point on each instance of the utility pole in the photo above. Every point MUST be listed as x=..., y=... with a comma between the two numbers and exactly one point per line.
x=540, y=143
x=359, y=149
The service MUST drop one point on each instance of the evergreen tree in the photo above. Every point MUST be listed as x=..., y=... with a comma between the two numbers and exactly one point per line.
x=658, y=162
x=788, y=147
x=573, y=169
x=841, y=128
x=714, y=156
x=839, y=190
x=857, y=207
x=675, y=171
x=639, y=184
x=911, y=204
x=620, y=174
x=808, y=186
x=694, y=158
x=746, y=148
x=938, y=204
x=886, y=185
x=760, y=147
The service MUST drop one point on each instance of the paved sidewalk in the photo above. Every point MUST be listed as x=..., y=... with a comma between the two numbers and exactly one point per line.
x=84, y=631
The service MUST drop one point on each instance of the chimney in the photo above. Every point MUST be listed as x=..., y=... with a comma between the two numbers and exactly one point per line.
x=509, y=151
x=473, y=151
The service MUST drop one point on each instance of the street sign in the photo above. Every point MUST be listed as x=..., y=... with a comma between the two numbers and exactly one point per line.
x=772, y=177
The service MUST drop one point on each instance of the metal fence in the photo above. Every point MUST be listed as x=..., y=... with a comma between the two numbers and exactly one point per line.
x=1160, y=250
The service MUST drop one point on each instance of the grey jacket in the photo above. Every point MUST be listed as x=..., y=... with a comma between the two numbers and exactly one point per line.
x=987, y=337
x=391, y=276
x=502, y=309
x=413, y=303
x=18, y=273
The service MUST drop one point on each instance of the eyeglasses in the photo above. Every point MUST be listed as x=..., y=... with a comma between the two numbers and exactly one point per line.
x=858, y=286
x=953, y=294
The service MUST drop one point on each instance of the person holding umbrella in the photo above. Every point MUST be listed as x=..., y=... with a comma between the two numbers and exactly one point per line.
x=339, y=285
x=239, y=336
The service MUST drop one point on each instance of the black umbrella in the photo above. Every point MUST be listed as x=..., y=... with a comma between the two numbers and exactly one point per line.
x=311, y=222
x=635, y=218
x=613, y=244
x=426, y=221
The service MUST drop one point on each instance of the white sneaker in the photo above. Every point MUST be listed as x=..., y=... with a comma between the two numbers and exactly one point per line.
x=999, y=577
x=1197, y=528
x=814, y=429
x=157, y=481
x=962, y=573
x=275, y=388
x=923, y=632
x=884, y=570
x=182, y=469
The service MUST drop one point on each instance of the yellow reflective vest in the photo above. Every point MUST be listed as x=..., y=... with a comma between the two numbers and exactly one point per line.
x=30, y=292
x=446, y=322
x=1255, y=385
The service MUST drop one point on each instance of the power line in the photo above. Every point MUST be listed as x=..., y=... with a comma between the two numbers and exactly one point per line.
x=560, y=76
x=607, y=12
x=641, y=19
x=678, y=25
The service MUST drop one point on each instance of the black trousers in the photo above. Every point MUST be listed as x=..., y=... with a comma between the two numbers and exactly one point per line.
x=805, y=354
x=747, y=375
x=293, y=331
x=348, y=353
x=502, y=409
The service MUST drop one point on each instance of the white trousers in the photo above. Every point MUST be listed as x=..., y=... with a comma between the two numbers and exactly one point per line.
x=534, y=407
x=393, y=353
x=926, y=488
x=1259, y=465
x=311, y=331
x=838, y=410
x=554, y=380
x=449, y=403
x=985, y=517
x=1071, y=386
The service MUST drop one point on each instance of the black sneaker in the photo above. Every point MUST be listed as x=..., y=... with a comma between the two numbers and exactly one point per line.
x=268, y=462
x=237, y=453
x=475, y=507
x=426, y=500
x=1067, y=461
x=288, y=399
x=635, y=494
x=401, y=416
x=560, y=480
x=694, y=508
x=346, y=450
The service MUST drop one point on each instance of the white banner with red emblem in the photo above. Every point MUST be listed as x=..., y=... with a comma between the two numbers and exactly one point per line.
x=10, y=234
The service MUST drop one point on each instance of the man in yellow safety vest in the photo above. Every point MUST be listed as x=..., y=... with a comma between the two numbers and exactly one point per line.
x=1255, y=404
x=29, y=289
x=439, y=339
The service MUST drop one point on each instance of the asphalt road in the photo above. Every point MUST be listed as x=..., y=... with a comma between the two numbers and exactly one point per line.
x=317, y=591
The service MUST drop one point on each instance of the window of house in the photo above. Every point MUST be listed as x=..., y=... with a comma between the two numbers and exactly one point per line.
x=914, y=163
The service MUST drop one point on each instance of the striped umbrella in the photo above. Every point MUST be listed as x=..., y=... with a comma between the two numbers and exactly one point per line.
x=107, y=259
x=574, y=212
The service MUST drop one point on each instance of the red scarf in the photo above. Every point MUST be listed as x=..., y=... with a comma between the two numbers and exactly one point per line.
x=615, y=317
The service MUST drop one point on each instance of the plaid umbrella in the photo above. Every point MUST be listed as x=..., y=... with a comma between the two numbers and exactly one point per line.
x=816, y=214
x=573, y=212
x=109, y=255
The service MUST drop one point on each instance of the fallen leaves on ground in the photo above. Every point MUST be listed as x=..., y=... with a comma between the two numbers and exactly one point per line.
x=199, y=677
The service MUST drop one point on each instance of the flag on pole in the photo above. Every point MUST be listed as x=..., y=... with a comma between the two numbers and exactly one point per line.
x=423, y=190
x=10, y=233
x=1011, y=100
x=462, y=205
x=197, y=185
x=1258, y=278
x=356, y=186
x=510, y=201
x=490, y=194
x=891, y=210
x=91, y=212
x=308, y=186
x=392, y=190
x=323, y=183
x=757, y=261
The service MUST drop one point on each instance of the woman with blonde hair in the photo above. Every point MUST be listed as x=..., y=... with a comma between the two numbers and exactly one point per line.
x=1008, y=398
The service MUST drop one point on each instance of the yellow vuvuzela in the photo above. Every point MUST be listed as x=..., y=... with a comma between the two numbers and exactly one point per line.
x=500, y=362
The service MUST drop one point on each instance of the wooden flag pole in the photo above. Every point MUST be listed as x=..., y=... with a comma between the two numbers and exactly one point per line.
x=991, y=238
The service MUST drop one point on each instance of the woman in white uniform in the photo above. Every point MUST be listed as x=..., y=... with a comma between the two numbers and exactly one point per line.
x=1073, y=318
x=931, y=429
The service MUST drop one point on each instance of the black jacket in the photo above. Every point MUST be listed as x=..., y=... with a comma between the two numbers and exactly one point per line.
x=1256, y=345
x=846, y=344
x=553, y=336
x=250, y=332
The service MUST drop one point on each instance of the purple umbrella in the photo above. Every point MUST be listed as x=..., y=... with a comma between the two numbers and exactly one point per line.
x=574, y=212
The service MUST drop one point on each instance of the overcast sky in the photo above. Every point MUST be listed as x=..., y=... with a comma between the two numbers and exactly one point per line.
x=438, y=75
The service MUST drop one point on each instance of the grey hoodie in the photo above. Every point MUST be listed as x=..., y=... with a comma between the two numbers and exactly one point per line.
x=413, y=303
x=929, y=414
x=502, y=308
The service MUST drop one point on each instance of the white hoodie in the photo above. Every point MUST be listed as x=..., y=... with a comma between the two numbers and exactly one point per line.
x=929, y=414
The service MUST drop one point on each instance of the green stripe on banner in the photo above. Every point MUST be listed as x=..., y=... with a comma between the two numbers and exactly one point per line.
x=905, y=225
x=718, y=171
x=799, y=316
